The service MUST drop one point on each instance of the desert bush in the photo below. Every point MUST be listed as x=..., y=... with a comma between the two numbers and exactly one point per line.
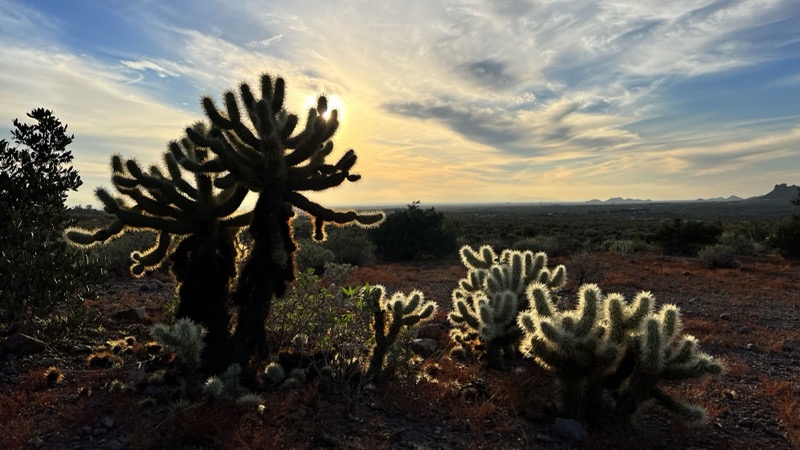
x=609, y=356
x=786, y=237
x=717, y=255
x=552, y=245
x=38, y=269
x=624, y=247
x=681, y=237
x=312, y=255
x=739, y=244
x=350, y=245
x=414, y=233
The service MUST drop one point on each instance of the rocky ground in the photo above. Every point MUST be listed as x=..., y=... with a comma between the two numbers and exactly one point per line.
x=748, y=316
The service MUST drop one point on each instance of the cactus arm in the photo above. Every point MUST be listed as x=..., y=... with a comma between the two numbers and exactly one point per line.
x=692, y=414
x=152, y=257
x=87, y=238
x=229, y=201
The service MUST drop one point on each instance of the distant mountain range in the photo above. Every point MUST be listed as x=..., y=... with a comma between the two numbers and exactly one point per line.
x=781, y=193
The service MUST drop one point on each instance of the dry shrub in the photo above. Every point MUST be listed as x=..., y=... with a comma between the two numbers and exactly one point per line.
x=784, y=396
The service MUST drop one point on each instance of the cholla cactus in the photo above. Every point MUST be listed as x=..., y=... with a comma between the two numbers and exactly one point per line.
x=264, y=156
x=185, y=338
x=488, y=301
x=203, y=219
x=662, y=354
x=228, y=386
x=609, y=346
x=402, y=310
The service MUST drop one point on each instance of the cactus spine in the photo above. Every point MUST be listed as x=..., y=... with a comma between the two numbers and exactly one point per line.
x=266, y=157
x=487, y=302
x=402, y=310
x=609, y=346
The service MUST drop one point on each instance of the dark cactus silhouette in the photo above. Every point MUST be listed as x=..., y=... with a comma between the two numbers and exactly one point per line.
x=204, y=260
x=267, y=158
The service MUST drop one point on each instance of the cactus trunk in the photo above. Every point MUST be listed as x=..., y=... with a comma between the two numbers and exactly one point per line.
x=266, y=274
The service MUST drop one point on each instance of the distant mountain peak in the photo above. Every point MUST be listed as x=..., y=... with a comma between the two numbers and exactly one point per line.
x=780, y=193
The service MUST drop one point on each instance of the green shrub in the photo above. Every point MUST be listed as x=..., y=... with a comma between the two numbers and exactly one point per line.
x=786, y=237
x=414, y=233
x=737, y=243
x=552, y=245
x=312, y=255
x=350, y=245
x=681, y=237
x=38, y=269
x=717, y=255
x=624, y=247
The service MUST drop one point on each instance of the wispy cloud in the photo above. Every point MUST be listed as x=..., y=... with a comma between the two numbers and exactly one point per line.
x=555, y=96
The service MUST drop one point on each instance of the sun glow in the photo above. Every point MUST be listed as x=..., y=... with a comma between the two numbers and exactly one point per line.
x=334, y=102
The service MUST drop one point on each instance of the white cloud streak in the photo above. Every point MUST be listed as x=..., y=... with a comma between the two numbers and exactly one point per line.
x=490, y=96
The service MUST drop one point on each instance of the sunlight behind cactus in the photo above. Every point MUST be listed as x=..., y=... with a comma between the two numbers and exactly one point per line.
x=268, y=157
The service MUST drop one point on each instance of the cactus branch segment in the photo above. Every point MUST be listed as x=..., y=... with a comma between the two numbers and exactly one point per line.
x=400, y=310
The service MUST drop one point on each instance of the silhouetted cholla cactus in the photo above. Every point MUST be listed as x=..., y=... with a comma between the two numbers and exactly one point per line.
x=488, y=301
x=203, y=217
x=167, y=204
x=265, y=156
x=609, y=345
x=401, y=310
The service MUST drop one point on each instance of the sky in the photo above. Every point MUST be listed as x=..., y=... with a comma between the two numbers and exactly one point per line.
x=453, y=101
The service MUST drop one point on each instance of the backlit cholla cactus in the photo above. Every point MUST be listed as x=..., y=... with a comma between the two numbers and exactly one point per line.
x=262, y=153
x=608, y=349
x=487, y=302
x=203, y=220
x=400, y=310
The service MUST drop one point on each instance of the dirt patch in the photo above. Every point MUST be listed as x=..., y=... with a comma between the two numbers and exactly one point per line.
x=748, y=317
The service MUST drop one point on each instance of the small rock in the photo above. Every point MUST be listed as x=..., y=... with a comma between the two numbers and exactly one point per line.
x=327, y=440
x=151, y=285
x=730, y=394
x=569, y=429
x=429, y=331
x=725, y=316
x=788, y=346
x=686, y=273
x=87, y=429
x=131, y=315
x=24, y=344
x=107, y=421
x=424, y=347
x=37, y=442
x=98, y=431
x=115, y=445
x=437, y=431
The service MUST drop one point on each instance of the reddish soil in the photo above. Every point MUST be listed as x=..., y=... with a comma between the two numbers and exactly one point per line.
x=748, y=316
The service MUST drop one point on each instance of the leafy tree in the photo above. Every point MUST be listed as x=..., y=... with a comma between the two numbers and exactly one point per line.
x=38, y=270
x=413, y=233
